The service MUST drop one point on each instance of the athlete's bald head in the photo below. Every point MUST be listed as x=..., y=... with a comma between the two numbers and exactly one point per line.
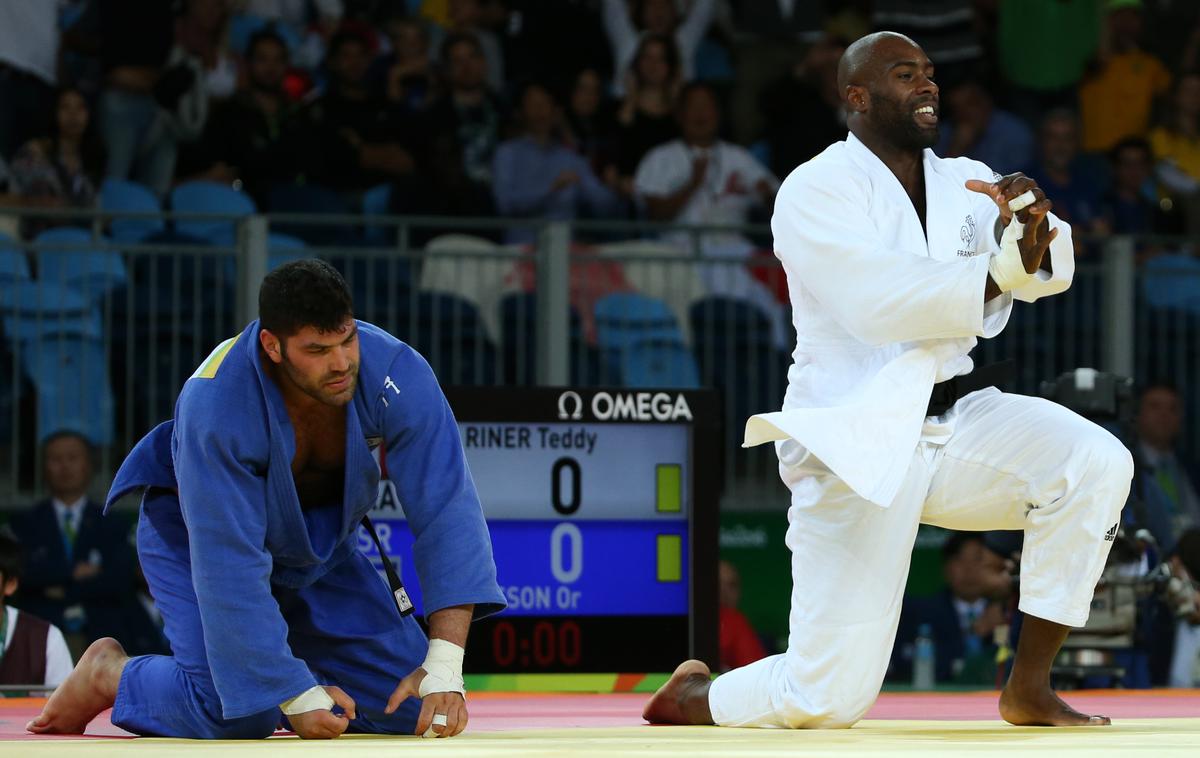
x=866, y=57
x=886, y=84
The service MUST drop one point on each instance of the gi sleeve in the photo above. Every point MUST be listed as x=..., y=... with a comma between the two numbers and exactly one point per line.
x=828, y=241
x=224, y=503
x=452, y=549
x=1062, y=260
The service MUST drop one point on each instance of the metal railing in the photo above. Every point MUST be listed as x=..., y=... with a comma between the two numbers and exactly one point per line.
x=590, y=303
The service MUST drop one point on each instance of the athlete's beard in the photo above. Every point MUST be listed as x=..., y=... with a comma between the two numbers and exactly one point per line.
x=896, y=120
x=316, y=389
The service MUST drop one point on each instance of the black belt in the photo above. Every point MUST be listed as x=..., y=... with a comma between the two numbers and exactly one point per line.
x=403, y=604
x=946, y=394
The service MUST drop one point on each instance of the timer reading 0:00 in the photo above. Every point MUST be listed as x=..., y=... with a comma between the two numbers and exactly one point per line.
x=552, y=644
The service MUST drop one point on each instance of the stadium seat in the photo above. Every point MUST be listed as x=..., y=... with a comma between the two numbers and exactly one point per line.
x=14, y=264
x=737, y=355
x=210, y=197
x=312, y=199
x=87, y=266
x=284, y=248
x=377, y=201
x=642, y=344
x=449, y=332
x=70, y=375
x=55, y=335
x=518, y=324
x=120, y=195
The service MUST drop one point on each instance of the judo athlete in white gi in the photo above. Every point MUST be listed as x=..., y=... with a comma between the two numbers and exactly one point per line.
x=894, y=270
x=251, y=501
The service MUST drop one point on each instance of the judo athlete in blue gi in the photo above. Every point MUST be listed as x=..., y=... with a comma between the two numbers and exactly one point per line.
x=251, y=500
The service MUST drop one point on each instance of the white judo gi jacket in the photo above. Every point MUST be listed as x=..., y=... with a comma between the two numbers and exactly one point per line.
x=882, y=313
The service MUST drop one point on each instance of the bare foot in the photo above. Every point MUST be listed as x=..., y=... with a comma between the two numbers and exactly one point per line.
x=683, y=699
x=90, y=689
x=1039, y=706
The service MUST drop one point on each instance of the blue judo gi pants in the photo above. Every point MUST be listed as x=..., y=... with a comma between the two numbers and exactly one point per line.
x=345, y=627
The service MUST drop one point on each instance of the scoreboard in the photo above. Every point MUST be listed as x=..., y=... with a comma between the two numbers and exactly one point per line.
x=602, y=508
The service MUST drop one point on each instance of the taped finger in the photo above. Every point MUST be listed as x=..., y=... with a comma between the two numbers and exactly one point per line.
x=1022, y=201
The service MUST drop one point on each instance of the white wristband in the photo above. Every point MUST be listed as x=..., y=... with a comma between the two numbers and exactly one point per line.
x=313, y=699
x=443, y=669
x=1007, y=267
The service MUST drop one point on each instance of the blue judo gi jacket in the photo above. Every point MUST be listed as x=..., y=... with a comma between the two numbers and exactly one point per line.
x=228, y=454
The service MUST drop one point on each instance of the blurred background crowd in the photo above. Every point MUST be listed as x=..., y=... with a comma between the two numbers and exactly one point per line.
x=679, y=111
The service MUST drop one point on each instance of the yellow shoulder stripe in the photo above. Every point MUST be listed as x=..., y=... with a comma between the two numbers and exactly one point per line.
x=208, y=369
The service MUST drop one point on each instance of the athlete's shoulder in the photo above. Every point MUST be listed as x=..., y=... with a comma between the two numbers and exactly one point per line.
x=835, y=165
x=963, y=168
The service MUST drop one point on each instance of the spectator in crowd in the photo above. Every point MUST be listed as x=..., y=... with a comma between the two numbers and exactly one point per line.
x=259, y=136
x=363, y=141
x=406, y=74
x=803, y=109
x=79, y=565
x=1164, y=497
x=1061, y=173
x=963, y=617
x=32, y=651
x=465, y=122
x=470, y=17
x=29, y=40
x=978, y=129
x=627, y=24
x=768, y=34
x=1176, y=145
x=1131, y=204
x=134, y=113
x=1185, y=658
x=949, y=31
x=1043, y=50
x=1118, y=94
x=645, y=118
x=311, y=21
x=591, y=124
x=701, y=179
x=738, y=642
x=62, y=169
x=537, y=176
x=203, y=31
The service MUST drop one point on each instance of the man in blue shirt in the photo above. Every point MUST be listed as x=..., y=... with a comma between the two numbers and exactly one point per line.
x=537, y=176
x=252, y=497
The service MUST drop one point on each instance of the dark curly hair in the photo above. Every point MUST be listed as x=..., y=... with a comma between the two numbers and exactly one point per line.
x=303, y=293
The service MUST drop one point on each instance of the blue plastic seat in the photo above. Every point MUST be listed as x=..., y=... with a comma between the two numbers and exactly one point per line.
x=518, y=324
x=448, y=331
x=93, y=271
x=642, y=343
x=377, y=201
x=70, y=374
x=14, y=264
x=121, y=195
x=30, y=310
x=210, y=197
x=284, y=248
x=311, y=199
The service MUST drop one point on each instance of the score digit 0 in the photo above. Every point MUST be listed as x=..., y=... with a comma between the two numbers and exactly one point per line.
x=556, y=488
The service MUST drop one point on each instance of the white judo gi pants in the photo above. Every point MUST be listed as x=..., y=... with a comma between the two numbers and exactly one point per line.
x=1012, y=462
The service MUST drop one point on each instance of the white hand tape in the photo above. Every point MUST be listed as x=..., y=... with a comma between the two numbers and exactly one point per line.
x=439, y=719
x=443, y=669
x=312, y=699
x=1022, y=201
x=1006, y=267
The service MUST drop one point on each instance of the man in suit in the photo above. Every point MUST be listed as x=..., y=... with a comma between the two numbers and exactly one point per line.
x=1165, y=499
x=962, y=618
x=79, y=570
